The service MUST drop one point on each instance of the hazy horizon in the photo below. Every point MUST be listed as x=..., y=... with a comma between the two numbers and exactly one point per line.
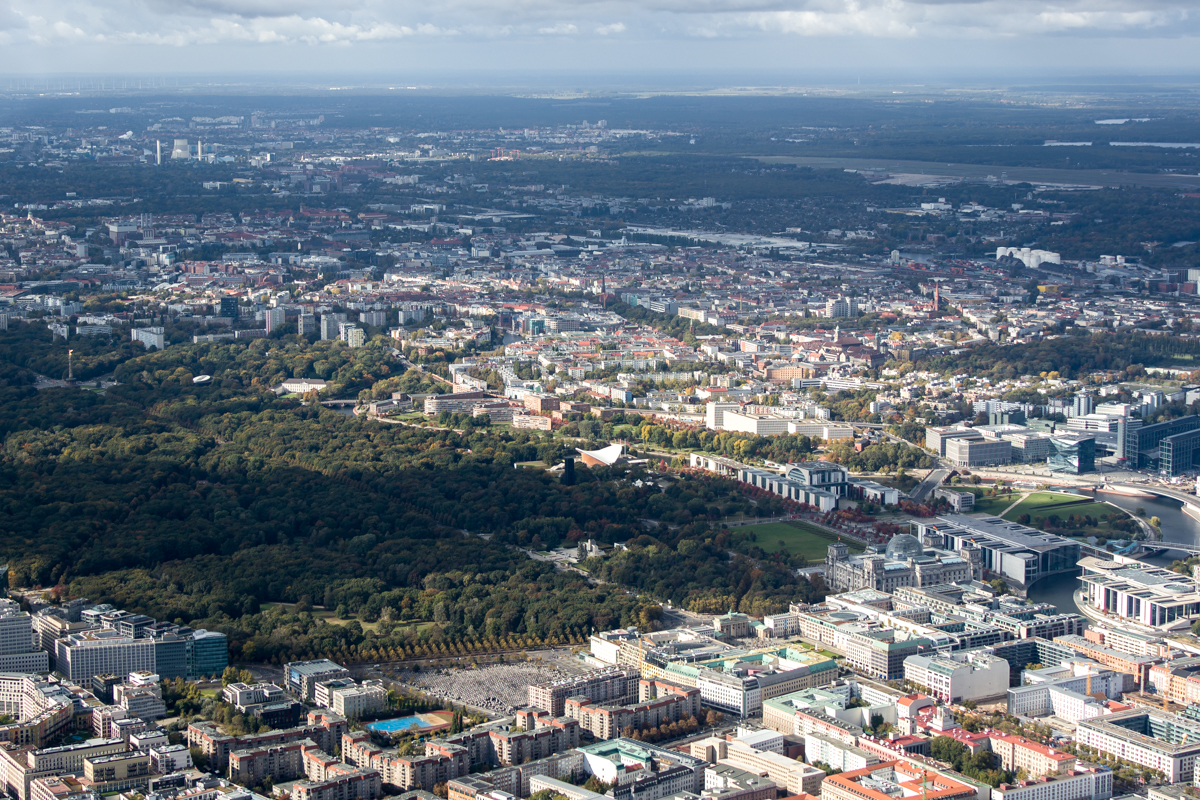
x=782, y=42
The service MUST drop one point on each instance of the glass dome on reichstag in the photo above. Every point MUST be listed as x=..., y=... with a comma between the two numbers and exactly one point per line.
x=903, y=547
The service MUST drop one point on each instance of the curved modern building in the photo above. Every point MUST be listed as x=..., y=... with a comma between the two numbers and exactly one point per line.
x=1138, y=597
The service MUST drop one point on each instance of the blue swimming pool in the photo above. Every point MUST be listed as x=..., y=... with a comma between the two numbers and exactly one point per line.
x=398, y=724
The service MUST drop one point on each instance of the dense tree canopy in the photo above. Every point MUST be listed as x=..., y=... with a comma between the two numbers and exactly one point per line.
x=211, y=504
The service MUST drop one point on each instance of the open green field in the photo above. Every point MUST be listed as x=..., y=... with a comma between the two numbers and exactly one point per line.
x=988, y=505
x=1045, y=504
x=1091, y=509
x=994, y=505
x=798, y=538
x=333, y=619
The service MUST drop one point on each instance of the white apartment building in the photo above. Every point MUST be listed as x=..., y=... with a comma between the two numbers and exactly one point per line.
x=241, y=695
x=1074, y=706
x=1146, y=737
x=351, y=334
x=836, y=754
x=781, y=626
x=79, y=656
x=1083, y=783
x=353, y=702
x=841, y=307
x=1106, y=423
x=19, y=651
x=149, y=337
x=795, y=776
x=759, y=424
x=955, y=680
x=978, y=451
x=714, y=414
x=16, y=629
x=274, y=318
x=170, y=758
x=730, y=693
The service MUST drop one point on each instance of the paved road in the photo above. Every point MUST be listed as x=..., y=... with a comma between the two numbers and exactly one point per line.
x=932, y=481
x=42, y=382
x=1184, y=497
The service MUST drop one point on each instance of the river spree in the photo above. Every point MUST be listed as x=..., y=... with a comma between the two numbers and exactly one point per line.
x=1176, y=527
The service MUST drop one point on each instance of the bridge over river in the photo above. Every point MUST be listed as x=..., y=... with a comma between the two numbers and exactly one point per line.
x=1191, y=507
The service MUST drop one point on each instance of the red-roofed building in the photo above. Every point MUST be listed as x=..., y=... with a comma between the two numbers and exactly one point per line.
x=1084, y=782
x=1017, y=752
x=894, y=746
x=910, y=705
x=914, y=781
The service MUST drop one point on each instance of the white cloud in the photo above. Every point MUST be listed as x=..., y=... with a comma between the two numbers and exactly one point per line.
x=561, y=29
x=250, y=24
x=892, y=18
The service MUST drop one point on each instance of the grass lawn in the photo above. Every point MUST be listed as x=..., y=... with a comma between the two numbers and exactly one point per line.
x=1091, y=509
x=1043, y=504
x=987, y=505
x=323, y=613
x=1042, y=500
x=531, y=464
x=798, y=538
x=994, y=505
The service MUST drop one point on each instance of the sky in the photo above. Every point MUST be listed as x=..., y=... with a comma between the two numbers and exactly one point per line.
x=777, y=41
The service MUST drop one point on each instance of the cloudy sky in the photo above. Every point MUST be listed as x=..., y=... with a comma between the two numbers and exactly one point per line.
x=878, y=39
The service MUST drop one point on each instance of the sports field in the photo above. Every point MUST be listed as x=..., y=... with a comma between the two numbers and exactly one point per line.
x=798, y=538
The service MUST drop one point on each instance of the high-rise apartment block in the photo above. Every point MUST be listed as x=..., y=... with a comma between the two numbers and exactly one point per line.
x=616, y=686
x=18, y=649
x=274, y=318
x=331, y=325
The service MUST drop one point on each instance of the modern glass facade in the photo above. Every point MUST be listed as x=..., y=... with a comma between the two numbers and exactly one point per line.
x=1073, y=455
x=208, y=654
x=171, y=656
x=1177, y=454
x=1142, y=445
